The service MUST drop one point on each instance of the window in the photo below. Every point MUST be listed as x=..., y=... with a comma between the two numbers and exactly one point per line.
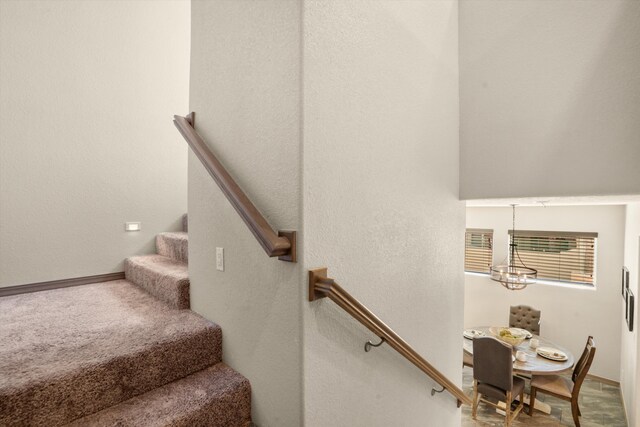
x=478, y=250
x=558, y=256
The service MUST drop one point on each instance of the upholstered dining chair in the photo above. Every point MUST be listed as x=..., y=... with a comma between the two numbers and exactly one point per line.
x=493, y=376
x=562, y=387
x=525, y=317
x=467, y=359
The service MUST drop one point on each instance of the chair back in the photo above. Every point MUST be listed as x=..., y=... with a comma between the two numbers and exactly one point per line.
x=525, y=317
x=492, y=362
x=584, y=363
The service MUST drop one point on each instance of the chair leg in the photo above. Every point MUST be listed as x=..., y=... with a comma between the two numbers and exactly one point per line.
x=507, y=409
x=575, y=412
x=532, y=400
x=476, y=397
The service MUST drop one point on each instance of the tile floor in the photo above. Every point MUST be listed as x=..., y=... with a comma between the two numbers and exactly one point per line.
x=601, y=405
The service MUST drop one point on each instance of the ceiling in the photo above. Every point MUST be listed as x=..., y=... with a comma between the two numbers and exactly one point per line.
x=557, y=201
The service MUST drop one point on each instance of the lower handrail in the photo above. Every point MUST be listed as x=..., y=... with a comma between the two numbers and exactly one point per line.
x=321, y=286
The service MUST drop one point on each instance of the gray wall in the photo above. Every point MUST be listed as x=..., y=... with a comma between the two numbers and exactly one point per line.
x=381, y=207
x=630, y=349
x=245, y=90
x=549, y=98
x=374, y=139
x=86, y=139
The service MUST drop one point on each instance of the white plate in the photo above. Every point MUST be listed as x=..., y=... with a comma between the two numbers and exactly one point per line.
x=524, y=331
x=552, y=354
x=472, y=333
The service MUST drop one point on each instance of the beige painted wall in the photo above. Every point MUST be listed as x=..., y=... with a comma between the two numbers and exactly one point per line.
x=630, y=349
x=245, y=90
x=549, y=95
x=86, y=139
x=381, y=207
x=379, y=202
x=569, y=314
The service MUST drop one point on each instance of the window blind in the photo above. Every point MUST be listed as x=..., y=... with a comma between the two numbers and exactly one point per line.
x=478, y=250
x=558, y=256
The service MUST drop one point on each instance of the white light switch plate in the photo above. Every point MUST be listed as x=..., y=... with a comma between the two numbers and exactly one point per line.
x=220, y=259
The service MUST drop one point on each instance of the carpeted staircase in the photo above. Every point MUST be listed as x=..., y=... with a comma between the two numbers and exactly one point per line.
x=120, y=353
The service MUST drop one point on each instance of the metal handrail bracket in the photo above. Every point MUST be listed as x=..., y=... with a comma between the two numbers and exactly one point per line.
x=281, y=244
x=320, y=286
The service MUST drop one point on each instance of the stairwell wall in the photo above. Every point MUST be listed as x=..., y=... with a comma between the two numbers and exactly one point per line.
x=245, y=91
x=381, y=207
x=358, y=101
x=87, y=90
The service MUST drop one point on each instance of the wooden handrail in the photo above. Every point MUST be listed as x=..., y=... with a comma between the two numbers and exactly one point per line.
x=320, y=286
x=281, y=244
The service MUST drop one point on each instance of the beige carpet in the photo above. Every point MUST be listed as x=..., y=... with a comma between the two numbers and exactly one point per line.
x=115, y=354
x=70, y=352
x=161, y=276
x=215, y=397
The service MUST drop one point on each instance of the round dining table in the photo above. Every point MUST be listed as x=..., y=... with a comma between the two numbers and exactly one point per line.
x=535, y=364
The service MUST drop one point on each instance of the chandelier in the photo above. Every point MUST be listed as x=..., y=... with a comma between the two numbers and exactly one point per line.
x=513, y=276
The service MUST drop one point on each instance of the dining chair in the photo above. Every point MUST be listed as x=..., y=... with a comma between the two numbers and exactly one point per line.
x=525, y=317
x=467, y=359
x=493, y=376
x=562, y=387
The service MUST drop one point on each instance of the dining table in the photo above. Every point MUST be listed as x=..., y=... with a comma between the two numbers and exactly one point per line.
x=535, y=364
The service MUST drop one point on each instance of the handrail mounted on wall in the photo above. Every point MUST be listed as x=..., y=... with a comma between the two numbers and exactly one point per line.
x=321, y=286
x=281, y=244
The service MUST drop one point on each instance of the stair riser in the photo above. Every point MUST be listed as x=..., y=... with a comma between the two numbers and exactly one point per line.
x=171, y=289
x=214, y=397
x=93, y=388
x=230, y=411
x=174, y=248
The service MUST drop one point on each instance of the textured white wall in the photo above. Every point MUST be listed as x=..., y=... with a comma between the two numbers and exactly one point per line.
x=245, y=90
x=381, y=207
x=569, y=315
x=549, y=98
x=86, y=139
x=630, y=350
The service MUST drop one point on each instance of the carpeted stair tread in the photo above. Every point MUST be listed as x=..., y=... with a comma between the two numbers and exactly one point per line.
x=173, y=245
x=162, y=277
x=215, y=397
x=71, y=352
x=185, y=223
